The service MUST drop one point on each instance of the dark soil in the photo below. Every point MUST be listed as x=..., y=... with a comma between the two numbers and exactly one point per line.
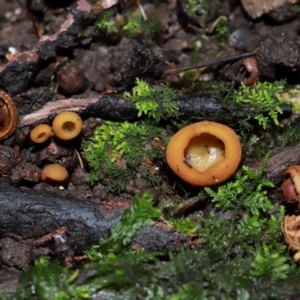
x=82, y=67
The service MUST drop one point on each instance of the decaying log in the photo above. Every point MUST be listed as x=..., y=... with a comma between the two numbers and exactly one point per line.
x=114, y=107
x=279, y=160
x=32, y=214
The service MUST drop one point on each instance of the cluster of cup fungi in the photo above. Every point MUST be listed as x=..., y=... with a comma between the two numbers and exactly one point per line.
x=66, y=126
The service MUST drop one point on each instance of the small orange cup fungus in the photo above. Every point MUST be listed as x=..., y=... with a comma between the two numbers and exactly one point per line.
x=67, y=125
x=204, y=153
x=40, y=133
x=55, y=174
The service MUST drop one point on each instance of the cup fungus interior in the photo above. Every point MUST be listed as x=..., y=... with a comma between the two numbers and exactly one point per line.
x=68, y=126
x=204, y=151
x=41, y=133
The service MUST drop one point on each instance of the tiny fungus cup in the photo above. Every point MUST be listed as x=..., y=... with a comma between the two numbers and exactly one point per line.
x=204, y=153
x=55, y=174
x=40, y=133
x=67, y=125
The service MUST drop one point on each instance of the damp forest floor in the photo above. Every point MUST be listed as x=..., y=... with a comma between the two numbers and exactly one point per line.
x=168, y=239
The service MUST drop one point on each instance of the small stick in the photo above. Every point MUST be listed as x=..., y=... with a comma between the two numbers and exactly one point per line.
x=223, y=60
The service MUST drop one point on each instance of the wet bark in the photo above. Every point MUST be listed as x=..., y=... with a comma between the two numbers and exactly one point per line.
x=32, y=214
x=114, y=107
x=279, y=160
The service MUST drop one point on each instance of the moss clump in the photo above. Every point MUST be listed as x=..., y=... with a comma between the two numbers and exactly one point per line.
x=155, y=103
x=263, y=98
x=260, y=102
x=248, y=192
x=119, y=152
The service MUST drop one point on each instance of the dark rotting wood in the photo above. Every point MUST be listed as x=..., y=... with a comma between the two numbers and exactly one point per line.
x=279, y=160
x=33, y=214
x=114, y=107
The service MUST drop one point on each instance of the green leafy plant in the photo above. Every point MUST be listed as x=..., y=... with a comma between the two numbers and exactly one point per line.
x=156, y=103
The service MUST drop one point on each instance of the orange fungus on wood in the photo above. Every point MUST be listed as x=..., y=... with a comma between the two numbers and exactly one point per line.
x=204, y=153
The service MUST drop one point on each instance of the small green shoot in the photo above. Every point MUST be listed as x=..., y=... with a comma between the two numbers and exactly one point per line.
x=185, y=225
x=149, y=28
x=269, y=264
x=222, y=30
x=106, y=23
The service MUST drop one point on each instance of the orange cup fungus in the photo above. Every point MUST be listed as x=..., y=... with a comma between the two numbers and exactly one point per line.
x=67, y=125
x=204, y=153
x=54, y=174
x=40, y=133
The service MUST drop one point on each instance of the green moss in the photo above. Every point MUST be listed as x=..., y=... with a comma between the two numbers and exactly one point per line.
x=185, y=225
x=140, y=213
x=238, y=259
x=222, y=30
x=263, y=98
x=137, y=25
x=248, y=192
x=50, y=280
x=260, y=102
x=154, y=102
x=117, y=153
x=106, y=23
